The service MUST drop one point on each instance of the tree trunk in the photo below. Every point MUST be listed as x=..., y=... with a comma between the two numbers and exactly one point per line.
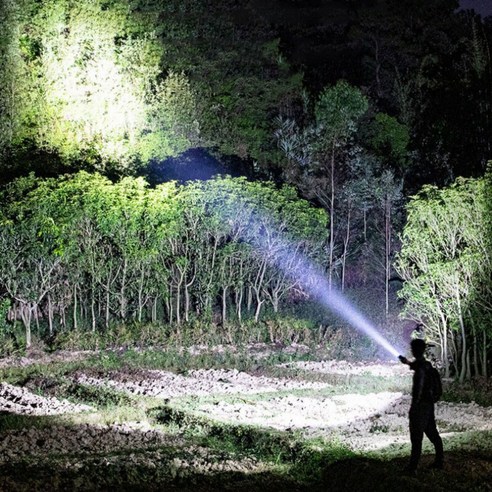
x=123, y=300
x=141, y=303
x=239, y=301
x=26, y=316
x=387, y=264
x=250, y=298
x=50, y=315
x=484, y=356
x=332, y=218
x=258, y=309
x=224, y=305
x=444, y=334
x=75, y=307
x=464, y=349
x=93, y=311
x=154, y=310
x=345, y=246
x=108, y=300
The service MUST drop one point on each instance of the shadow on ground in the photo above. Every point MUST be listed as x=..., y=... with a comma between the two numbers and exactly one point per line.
x=463, y=472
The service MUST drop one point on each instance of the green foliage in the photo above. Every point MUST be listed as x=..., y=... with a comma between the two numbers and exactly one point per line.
x=338, y=109
x=390, y=139
x=445, y=262
x=304, y=457
x=120, y=83
x=90, y=83
x=91, y=395
x=476, y=391
x=91, y=255
x=4, y=309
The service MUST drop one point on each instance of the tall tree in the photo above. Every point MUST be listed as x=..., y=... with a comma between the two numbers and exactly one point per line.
x=317, y=155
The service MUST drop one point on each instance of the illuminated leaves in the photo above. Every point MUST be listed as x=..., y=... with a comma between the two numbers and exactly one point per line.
x=89, y=83
x=446, y=264
x=114, y=249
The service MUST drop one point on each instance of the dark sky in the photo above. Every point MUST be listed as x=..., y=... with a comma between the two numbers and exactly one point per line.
x=483, y=7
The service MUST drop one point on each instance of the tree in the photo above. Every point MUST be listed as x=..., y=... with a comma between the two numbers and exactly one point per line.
x=114, y=85
x=80, y=252
x=320, y=151
x=445, y=261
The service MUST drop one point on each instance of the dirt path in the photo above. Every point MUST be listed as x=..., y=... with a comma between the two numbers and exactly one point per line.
x=52, y=454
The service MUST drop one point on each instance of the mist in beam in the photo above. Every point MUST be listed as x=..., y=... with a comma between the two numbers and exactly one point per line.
x=313, y=282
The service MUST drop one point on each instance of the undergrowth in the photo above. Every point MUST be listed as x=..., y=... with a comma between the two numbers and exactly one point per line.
x=477, y=390
x=303, y=459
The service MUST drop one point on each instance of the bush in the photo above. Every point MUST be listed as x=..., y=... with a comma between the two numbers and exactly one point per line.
x=12, y=340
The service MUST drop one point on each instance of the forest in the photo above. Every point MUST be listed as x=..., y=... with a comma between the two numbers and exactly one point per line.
x=363, y=137
x=181, y=182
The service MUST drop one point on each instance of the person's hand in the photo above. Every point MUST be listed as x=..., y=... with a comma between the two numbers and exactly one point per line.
x=403, y=360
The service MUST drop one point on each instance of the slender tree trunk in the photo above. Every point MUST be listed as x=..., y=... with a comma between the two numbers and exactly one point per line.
x=250, y=298
x=93, y=310
x=154, y=310
x=178, y=302
x=123, y=300
x=26, y=316
x=387, y=264
x=476, y=365
x=444, y=334
x=187, y=302
x=75, y=307
x=258, y=309
x=108, y=300
x=332, y=217
x=50, y=315
x=224, y=305
x=188, y=297
x=239, y=301
x=345, y=246
x=140, y=295
x=170, y=305
x=484, y=356
x=464, y=349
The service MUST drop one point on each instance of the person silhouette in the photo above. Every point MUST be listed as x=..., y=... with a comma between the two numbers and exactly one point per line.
x=421, y=416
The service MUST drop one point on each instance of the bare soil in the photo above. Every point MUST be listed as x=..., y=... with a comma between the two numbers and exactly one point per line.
x=52, y=450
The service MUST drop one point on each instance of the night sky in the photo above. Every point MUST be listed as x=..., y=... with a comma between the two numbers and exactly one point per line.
x=483, y=7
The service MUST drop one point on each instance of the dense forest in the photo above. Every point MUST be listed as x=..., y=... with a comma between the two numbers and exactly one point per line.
x=159, y=156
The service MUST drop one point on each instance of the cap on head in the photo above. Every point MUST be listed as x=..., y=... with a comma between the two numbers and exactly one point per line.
x=418, y=347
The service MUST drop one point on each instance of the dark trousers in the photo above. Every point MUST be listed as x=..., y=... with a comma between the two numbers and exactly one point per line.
x=422, y=420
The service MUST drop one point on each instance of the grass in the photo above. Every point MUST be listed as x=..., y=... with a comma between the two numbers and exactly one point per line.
x=12, y=421
x=301, y=459
x=292, y=461
x=477, y=390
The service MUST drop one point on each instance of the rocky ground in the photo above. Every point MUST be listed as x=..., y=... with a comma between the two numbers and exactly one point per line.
x=87, y=448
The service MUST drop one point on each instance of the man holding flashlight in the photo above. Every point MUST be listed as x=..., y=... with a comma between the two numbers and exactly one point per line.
x=421, y=416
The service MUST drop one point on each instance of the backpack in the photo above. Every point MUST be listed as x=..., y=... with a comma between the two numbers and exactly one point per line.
x=434, y=383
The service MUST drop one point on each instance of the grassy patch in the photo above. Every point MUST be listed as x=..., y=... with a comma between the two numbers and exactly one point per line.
x=477, y=390
x=172, y=359
x=93, y=395
x=12, y=421
x=302, y=459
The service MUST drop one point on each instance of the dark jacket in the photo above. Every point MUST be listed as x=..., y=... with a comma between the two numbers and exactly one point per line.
x=421, y=385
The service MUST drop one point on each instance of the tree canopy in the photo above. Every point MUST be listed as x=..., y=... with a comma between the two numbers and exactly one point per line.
x=445, y=261
x=83, y=252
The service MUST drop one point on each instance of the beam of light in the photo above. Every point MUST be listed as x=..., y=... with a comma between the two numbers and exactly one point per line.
x=340, y=305
x=312, y=281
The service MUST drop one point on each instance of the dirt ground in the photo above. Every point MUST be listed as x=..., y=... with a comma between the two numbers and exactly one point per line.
x=53, y=449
